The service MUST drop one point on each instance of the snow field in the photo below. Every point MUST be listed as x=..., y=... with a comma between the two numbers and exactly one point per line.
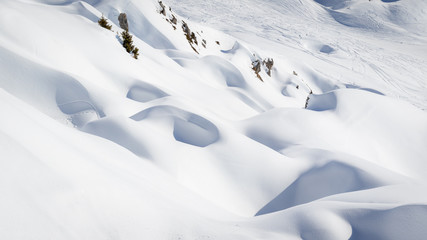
x=186, y=145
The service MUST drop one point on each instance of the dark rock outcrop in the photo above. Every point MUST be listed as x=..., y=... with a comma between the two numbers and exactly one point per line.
x=123, y=21
x=191, y=37
x=269, y=64
x=256, y=66
x=163, y=8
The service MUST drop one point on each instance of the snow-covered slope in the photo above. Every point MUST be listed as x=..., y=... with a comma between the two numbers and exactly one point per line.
x=189, y=142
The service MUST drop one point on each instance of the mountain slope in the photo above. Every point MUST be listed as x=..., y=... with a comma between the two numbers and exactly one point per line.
x=190, y=141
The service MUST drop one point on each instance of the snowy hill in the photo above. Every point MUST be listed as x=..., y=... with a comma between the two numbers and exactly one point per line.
x=239, y=120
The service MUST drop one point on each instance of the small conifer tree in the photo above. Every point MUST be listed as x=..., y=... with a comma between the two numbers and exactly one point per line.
x=128, y=44
x=104, y=23
x=127, y=41
x=135, y=53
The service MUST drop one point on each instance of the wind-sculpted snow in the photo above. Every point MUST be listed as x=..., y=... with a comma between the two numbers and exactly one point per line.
x=212, y=67
x=245, y=119
x=144, y=92
x=351, y=121
x=43, y=88
x=393, y=38
x=73, y=99
x=330, y=179
x=119, y=132
x=389, y=223
x=333, y=4
x=187, y=127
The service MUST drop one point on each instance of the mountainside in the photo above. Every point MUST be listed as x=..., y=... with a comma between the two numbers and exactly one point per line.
x=239, y=120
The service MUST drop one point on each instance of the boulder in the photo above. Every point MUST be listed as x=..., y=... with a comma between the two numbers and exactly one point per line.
x=123, y=21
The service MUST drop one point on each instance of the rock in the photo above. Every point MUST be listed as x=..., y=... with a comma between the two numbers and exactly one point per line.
x=163, y=8
x=256, y=66
x=123, y=21
x=186, y=30
x=269, y=64
x=174, y=20
x=191, y=37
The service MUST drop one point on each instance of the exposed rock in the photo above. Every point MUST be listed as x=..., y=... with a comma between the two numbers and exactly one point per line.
x=194, y=38
x=186, y=30
x=308, y=97
x=123, y=21
x=174, y=20
x=256, y=66
x=191, y=37
x=163, y=8
x=269, y=64
x=306, y=101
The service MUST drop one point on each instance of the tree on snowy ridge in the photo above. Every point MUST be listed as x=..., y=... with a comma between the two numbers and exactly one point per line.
x=128, y=44
x=104, y=23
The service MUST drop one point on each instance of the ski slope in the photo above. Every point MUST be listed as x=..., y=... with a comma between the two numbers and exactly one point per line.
x=189, y=142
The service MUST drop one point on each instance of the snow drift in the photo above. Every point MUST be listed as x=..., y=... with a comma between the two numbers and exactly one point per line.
x=187, y=142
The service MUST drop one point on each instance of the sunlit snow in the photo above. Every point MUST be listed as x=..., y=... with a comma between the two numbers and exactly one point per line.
x=190, y=141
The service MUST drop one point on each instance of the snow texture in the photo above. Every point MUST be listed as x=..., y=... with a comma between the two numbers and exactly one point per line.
x=186, y=142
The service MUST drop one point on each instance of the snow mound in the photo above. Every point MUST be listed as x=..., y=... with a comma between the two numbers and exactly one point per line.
x=144, y=92
x=369, y=224
x=325, y=140
x=188, y=127
x=332, y=178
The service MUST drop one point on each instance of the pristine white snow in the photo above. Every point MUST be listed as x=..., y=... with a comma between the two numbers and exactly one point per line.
x=95, y=144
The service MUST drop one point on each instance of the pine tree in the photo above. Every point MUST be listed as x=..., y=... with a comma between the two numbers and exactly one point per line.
x=128, y=44
x=127, y=41
x=135, y=53
x=104, y=23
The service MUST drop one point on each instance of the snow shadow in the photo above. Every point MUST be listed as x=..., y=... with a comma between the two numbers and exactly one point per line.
x=225, y=70
x=326, y=49
x=73, y=99
x=216, y=70
x=144, y=92
x=86, y=10
x=355, y=21
x=333, y=4
x=188, y=127
x=238, y=48
x=58, y=2
x=117, y=132
x=318, y=82
x=364, y=89
x=267, y=139
x=317, y=46
x=248, y=101
x=403, y=222
x=323, y=102
x=332, y=178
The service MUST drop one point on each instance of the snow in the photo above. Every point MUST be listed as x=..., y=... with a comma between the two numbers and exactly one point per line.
x=187, y=142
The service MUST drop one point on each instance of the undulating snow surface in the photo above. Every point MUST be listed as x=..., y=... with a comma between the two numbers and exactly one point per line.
x=189, y=142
